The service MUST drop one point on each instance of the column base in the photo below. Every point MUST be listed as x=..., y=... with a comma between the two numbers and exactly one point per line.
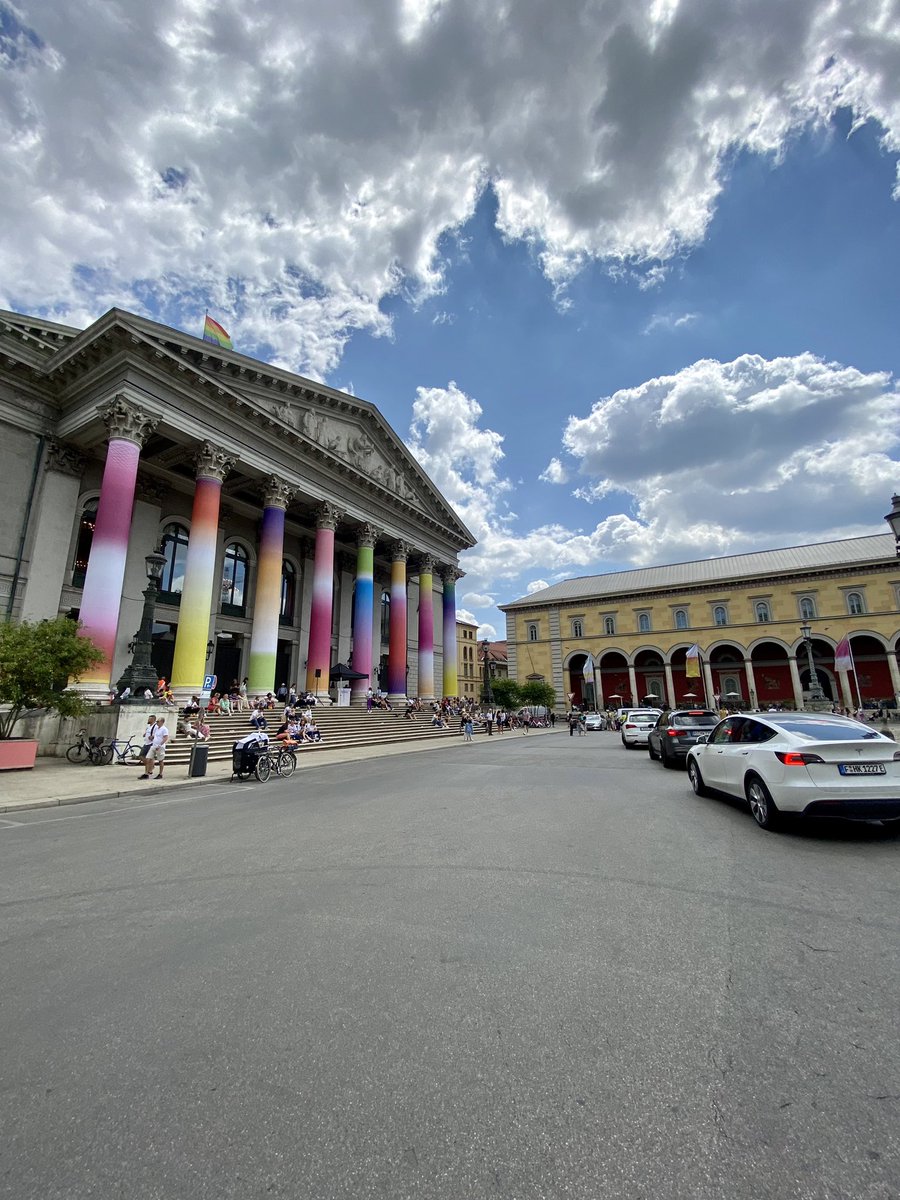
x=93, y=693
x=396, y=698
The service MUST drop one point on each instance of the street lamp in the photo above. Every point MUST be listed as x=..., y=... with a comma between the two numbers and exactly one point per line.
x=140, y=675
x=488, y=691
x=893, y=519
x=816, y=695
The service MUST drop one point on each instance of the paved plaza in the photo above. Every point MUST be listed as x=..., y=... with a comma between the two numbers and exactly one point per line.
x=533, y=967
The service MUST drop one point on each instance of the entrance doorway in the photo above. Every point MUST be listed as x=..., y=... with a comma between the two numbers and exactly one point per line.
x=227, y=665
x=283, y=664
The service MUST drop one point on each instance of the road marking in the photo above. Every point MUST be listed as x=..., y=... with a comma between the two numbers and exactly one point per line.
x=4, y=821
x=137, y=806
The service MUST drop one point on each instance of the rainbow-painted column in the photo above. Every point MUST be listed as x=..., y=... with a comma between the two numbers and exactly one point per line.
x=267, y=608
x=363, y=611
x=189, y=665
x=128, y=428
x=319, y=654
x=451, y=666
x=426, y=629
x=397, y=640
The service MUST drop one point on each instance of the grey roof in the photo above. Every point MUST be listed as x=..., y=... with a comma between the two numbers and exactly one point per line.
x=713, y=570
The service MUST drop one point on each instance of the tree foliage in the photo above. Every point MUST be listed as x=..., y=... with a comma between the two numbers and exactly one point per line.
x=36, y=663
x=506, y=693
x=537, y=691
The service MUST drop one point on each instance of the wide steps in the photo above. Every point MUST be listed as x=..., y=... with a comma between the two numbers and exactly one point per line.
x=341, y=728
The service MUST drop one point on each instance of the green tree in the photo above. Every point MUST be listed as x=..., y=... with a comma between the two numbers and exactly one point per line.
x=536, y=691
x=506, y=693
x=36, y=663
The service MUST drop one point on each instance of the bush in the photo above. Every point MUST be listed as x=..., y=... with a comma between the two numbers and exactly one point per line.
x=36, y=663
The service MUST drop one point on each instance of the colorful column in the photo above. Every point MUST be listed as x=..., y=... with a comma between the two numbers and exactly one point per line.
x=189, y=665
x=397, y=640
x=426, y=629
x=363, y=611
x=267, y=606
x=319, y=654
x=129, y=427
x=451, y=666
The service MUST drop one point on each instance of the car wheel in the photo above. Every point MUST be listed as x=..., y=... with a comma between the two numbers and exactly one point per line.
x=667, y=760
x=762, y=806
x=696, y=778
x=650, y=749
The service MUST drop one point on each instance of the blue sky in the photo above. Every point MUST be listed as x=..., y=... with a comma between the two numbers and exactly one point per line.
x=624, y=277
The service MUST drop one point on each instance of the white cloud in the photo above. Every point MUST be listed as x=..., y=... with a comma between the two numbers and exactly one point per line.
x=536, y=585
x=463, y=614
x=487, y=631
x=293, y=165
x=477, y=599
x=668, y=322
x=554, y=472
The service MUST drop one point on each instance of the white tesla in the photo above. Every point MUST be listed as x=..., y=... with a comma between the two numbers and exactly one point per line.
x=815, y=764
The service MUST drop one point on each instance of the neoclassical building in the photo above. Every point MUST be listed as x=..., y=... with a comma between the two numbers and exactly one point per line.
x=298, y=531
x=745, y=612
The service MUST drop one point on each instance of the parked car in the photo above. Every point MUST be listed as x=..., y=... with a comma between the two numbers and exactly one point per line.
x=637, y=725
x=816, y=764
x=675, y=732
x=593, y=720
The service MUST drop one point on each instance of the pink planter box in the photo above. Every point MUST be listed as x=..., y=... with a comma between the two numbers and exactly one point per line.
x=17, y=754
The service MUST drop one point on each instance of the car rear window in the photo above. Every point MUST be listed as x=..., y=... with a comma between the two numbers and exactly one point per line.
x=695, y=718
x=643, y=714
x=823, y=730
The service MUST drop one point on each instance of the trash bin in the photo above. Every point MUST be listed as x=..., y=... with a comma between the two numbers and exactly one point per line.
x=199, y=759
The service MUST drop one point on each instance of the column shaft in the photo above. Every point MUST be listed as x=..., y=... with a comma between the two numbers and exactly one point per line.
x=363, y=615
x=795, y=683
x=319, y=658
x=670, y=685
x=189, y=664
x=425, y=688
x=632, y=683
x=451, y=666
x=398, y=631
x=267, y=606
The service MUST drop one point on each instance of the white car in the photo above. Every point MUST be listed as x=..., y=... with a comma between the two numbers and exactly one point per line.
x=637, y=726
x=815, y=764
x=593, y=720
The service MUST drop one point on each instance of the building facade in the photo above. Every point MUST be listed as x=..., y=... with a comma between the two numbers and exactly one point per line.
x=746, y=614
x=468, y=665
x=298, y=531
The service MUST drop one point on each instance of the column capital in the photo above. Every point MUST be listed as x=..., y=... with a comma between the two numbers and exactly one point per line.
x=64, y=459
x=451, y=574
x=212, y=462
x=128, y=421
x=400, y=551
x=277, y=493
x=367, y=535
x=425, y=564
x=328, y=516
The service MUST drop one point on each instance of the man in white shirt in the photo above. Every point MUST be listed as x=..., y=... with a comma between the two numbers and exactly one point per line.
x=159, y=735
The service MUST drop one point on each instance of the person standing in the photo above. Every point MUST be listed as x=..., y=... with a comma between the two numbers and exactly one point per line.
x=468, y=727
x=243, y=702
x=157, y=750
x=489, y=722
x=369, y=696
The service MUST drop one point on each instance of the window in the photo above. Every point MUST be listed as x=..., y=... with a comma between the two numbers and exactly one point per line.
x=720, y=614
x=84, y=542
x=762, y=612
x=807, y=608
x=855, y=606
x=681, y=619
x=532, y=633
x=609, y=626
x=644, y=623
x=175, y=547
x=385, y=616
x=577, y=629
x=289, y=592
x=234, y=580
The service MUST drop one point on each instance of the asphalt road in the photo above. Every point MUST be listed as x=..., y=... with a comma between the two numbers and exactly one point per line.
x=531, y=968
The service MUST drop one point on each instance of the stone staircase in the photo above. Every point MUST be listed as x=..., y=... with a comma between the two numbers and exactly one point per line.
x=341, y=728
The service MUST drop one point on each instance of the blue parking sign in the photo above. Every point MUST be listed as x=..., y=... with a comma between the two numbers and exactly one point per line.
x=209, y=682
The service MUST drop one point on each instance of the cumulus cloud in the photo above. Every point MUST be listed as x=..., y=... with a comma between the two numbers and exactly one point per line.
x=294, y=165
x=463, y=614
x=536, y=585
x=477, y=599
x=554, y=472
x=487, y=631
x=668, y=322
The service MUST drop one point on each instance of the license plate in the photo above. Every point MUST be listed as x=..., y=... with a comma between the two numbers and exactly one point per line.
x=861, y=768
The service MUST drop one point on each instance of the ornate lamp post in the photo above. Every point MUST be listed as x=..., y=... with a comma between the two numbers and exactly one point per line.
x=488, y=692
x=140, y=675
x=893, y=519
x=816, y=695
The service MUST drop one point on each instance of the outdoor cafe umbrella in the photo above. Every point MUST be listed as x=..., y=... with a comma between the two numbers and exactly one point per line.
x=340, y=671
x=732, y=695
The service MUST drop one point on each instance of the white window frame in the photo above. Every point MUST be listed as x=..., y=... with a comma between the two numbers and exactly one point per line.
x=717, y=608
x=684, y=614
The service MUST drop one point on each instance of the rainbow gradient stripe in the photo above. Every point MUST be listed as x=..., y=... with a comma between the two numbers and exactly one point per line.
x=213, y=332
x=361, y=659
x=425, y=688
x=320, y=614
x=451, y=676
x=267, y=609
x=102, y=593
x=189, y=665
x=397, y=638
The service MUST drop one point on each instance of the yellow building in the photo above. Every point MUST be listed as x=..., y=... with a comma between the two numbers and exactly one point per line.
x=747, y=614
x=467, y=660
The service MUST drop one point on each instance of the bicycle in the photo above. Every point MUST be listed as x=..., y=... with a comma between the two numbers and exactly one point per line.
x=86, y=750
x=284, y=763
x=129, y=754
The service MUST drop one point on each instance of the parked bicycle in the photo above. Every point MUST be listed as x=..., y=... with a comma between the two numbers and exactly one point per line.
x=128, y=753
x=283, y=763
x=86, y=749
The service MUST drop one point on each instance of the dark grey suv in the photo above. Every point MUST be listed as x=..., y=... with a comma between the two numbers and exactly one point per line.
x=675, y=732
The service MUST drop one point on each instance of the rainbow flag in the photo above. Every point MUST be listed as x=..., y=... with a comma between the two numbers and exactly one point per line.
x=213, y=332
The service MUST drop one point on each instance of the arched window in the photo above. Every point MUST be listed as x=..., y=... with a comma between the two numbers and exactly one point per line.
x=762, y=612
x=288, y=592
x=855, y=606
x=644, y=623
x=720, y=615
x=84, y=542
x=234, y=581
x=175, y=547
x=532, y=633
x=386, y=616
x=807, y=608
x=609, y=626
x=681, y=619
x=577, y=629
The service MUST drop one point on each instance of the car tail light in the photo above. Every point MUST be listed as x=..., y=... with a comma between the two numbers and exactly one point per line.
x=797, y=758
x=897, y=756
x=628, y=725
x=673, y=732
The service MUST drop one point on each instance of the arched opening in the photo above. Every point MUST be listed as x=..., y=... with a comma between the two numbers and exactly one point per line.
x=772, y=675
x=730, y=687
x=651, y=678
x=580, y=688
x=175, y=541
x=612, y=674
x=84, y=541
x=234, y=580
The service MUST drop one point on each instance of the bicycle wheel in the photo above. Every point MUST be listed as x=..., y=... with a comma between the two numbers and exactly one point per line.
x=133, y=754
x=263, y=768
x=286, y=764
x=78, y=754
x=105, y=754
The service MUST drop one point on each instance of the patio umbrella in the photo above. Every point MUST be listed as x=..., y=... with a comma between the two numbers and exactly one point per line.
x=340, y=671
x=732, y=695
x=690, y=696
